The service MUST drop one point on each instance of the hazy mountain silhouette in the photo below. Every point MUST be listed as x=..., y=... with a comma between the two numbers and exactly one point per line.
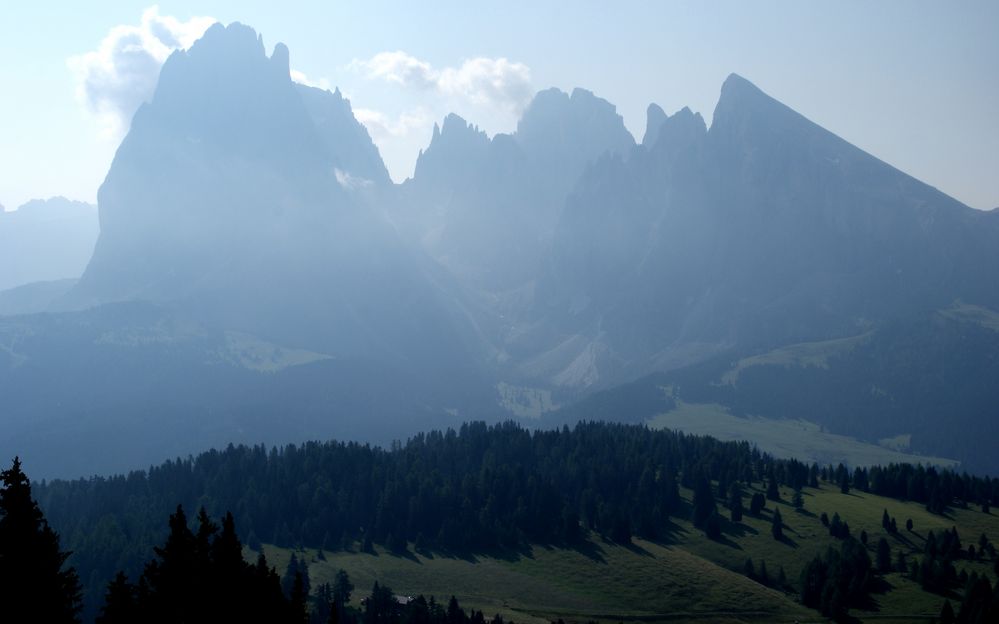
x=46, y=240
x=259, y=278
x=240, y=249
x=487, y=208
x=245, y=197
x=764, y=230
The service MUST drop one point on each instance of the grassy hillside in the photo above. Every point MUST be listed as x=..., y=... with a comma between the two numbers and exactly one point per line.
x=785, y=437
x=686, y=578
x=924, y=385
x=602, y=581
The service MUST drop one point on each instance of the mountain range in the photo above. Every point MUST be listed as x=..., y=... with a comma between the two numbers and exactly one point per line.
x=259, y=278
x=46, y=240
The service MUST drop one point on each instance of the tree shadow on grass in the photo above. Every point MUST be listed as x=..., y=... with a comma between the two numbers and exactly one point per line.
x=671, y=534
x=472, y=555
x=636, y=549
x=589, y=547
x=784, y=539
x=591, y=550
x=725, y=541
x=737, y=529
x=904, y=540
x=405, y=554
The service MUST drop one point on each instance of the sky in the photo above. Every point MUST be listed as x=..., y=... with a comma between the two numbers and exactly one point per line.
x=914, y=83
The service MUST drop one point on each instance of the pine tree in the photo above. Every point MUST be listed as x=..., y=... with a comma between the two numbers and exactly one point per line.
x=199, y=577
x=712, y=526
x=777, y=526
x=813, y=476
x=299, y=600
x=32, y=579
x=797, y=500
x=884, y=556
x=946, y=614
x=704, y=502
x=885, y=520
x=773, y=492
x=120, y=602
x=297, y=568
x=324, y=604
x=342, y=588
x=735, y=503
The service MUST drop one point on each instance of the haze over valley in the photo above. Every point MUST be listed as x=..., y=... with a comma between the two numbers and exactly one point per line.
x=253, y=278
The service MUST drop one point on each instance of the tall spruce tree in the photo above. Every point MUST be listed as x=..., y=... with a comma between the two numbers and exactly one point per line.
x=704, y=502
x=34, y=580
x=735, y=502
x=773, y=492
x=883, y=556
x=777, y=526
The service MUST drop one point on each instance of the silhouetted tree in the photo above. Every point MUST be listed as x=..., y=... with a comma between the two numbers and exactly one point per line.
x=199, y=578
x=946, y=614
x=883, y=556
x=735, y=502
x=342, y=587
x=704, y=503
x=773, y=492
x=33, y=581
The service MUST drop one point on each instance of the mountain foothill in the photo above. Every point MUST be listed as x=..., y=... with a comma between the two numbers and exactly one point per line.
x=259, y=278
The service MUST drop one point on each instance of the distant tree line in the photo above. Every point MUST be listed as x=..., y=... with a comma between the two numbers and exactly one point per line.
x=478, y=488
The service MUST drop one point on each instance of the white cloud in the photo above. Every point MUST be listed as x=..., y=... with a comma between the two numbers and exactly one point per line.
x=301, y=78
x=350, y=182
x=400, y=68
x=492, y=81
x=381, y=126
x=113, y=80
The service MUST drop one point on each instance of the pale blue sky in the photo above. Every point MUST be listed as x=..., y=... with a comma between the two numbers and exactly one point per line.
x=914, y=83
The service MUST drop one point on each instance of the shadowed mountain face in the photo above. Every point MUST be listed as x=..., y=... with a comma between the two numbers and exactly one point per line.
x=487, y=208
x=246, y=198
x=763, y=230
x=259, y=278
x=240, y=218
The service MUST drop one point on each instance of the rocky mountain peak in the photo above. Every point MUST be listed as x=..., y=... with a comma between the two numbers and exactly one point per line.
x=681, y=129
x=654, y=118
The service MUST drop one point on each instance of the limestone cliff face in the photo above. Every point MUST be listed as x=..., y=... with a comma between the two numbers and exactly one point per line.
x=246, y=199
x=765, y=229
x=487, y=208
